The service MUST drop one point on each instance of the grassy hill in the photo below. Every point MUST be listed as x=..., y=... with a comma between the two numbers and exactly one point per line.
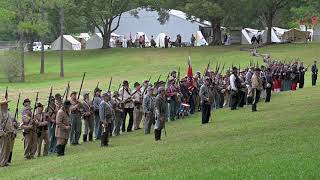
x=280, y=141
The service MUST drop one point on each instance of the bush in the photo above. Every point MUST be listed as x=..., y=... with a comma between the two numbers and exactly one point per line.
x=10, y=64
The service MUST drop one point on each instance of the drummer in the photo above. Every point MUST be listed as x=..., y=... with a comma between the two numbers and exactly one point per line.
x=184, y=109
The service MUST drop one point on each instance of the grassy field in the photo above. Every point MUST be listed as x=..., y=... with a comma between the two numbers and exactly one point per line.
x=281, y=141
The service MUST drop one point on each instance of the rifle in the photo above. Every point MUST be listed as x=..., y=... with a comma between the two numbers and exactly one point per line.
x=110, y=82
x=50, y=94
x=178, y=80
x=219, y=66
x=66, y=92
x=16, y=113
x=222, y=68
x=17, y=108
x=84, y=75
x=144, y=90
x=206, y=70
x=257, y=63
x=119, y=87
x=6, y=94
x=93, y=91
x=167, y=79
x=35, y=105
x=158, y=79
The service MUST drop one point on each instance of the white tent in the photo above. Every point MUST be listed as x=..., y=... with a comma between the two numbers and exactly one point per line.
x=84, y=36
x=137, y=36
x=276, y=35
x=200, y=40
x=248, y=33
x=69, y=43
x=96, y=41
x=160, y=40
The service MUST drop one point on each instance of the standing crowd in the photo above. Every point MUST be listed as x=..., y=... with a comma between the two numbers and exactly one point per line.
x=105, y=115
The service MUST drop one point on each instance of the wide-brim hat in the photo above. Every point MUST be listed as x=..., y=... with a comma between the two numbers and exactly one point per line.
x=97, y=90
x=136, y=84
x=39, y=105
x=73, y=93
x=57, y=96
x=115, y=93
x=105, y=94
x=67, y=103
x=4, y=101
x=125, y=82
x=26, y=100
x=257, y=69
x=85, y=93
x=160, y=89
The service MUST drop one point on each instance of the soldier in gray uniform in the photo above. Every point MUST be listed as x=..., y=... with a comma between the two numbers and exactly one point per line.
x=96, y=102
x=105, y=112
x=117, y=113
x=207, y=98
x=75, y=117
x=88, y=117
x=148, y=108
x=160, y=112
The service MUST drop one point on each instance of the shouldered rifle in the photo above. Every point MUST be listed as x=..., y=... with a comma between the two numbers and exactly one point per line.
x=145, y=89
x=158, y=79
x=167, y=79
x=17, y=108
x=178, y=80
x=84, y=75
x=6, y=94
x=206, y=70
x=110, y=82
x=119, y=87
x=94, y=92
x=66, y=91
x=35, y=105
x=223, y=68
x=50, y=94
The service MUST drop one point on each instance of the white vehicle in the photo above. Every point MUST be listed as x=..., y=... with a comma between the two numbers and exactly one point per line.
x=37, y=46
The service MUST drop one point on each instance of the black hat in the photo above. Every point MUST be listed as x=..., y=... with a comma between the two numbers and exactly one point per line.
x=125, y=82
x=26, y=101
x=39, y=105
x=57, y=96
x=97, y=90
x=66, y=103
x=136, y=84
x=257, y=69
x=51, y=98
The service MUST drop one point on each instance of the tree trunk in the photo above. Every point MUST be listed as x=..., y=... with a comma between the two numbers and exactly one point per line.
x=216, y=29
x=42, y=58
x=42, y=46
x=23, y=78
x=269, y=26
x=61, y=42
x=106, y=37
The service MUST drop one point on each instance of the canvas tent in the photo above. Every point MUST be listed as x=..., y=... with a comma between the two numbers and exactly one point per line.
x=160, y=40
x=96, y=41
x=137, y=36
x=200, y=40
x=148, y=23
x=69, y=43
x=248, y=33
x=295, y=35
x=276, y=35
x=84, y=36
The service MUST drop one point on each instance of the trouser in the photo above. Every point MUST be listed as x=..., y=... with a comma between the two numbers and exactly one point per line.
x=242, y=99
x=137, y=117
x=192, y=103
x=226, y=100
x=12, y=138
x=88, y=129
x=97, y=126
x=148, y=121
x=268, y=94
x=4, y=150
x=301, y=83
x=234, y=97
x=43, y=137
x=105, y=136
x=61, y=146
x=293, y=86
x=173, y=109
x=197, y=103
x=30, y=144
x=117, y=124
x=314, y=79
x=52, y=138
x=206, y=111
x=221, y=100
x=76, y=126
x=123, y=125
x=157, y=134
x=256, y=97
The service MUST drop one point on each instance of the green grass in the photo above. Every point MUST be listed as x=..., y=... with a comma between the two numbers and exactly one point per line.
x=281, y=141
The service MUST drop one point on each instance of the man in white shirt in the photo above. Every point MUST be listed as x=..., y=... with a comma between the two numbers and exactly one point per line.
x=125, y=96
x=234, y=96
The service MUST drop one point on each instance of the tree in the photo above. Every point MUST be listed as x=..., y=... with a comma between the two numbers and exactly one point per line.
x=268, y=10
x=103, y=13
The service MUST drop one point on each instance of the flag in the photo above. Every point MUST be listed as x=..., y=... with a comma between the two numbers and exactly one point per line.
x=314, y=20
x=189, y=71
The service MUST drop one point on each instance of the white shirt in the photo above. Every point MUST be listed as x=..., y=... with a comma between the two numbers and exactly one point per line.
x=233, y=82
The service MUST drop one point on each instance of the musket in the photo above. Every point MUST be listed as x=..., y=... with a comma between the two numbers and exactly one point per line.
x=206, y=70
x=50, y=94
x=178, y=80
x=17, y=108
x=222, y=68
x=66, y=90
x=6, y=94
x=158, y=79
x=219, y=66
x=232, y=65
x=93, y=91
x=144, y=90
x=35, y=105
x=167, y=79
x=84, y=75
x=119, y=87
x=165, y=131
x=110, y=82
x=257, y=63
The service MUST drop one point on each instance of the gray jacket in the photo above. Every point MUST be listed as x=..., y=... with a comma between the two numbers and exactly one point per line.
x=148, y=104
x=105, y=112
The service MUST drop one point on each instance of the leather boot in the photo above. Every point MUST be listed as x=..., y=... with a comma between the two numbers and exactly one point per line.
x=90, y=137
x=10, y=156
x=59, y=150
x=63, y=149
x=85, y=137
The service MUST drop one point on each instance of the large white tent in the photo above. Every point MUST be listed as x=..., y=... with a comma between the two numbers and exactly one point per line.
x=96, y=41
x=69, y=43
x=146, y=39
x=276, y=35
x=84, y=36
x=200, y=40
x=248, y=33
x=148, y=23
x=160, y=40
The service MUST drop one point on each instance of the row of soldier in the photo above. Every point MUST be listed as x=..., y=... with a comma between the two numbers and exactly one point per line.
x=106, y=114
